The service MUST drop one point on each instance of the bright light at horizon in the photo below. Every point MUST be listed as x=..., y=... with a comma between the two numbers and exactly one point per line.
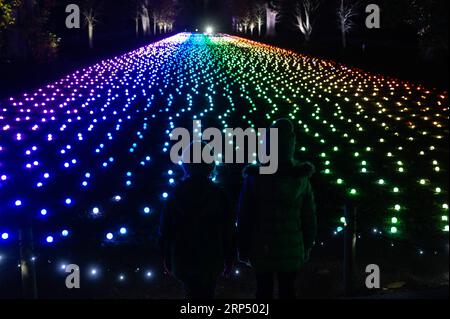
x=209, y=30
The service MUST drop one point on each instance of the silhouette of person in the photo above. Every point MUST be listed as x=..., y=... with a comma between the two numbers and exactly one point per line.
x=197, y=228
x=277, y=219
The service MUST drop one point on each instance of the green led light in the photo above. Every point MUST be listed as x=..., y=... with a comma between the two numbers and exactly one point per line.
x=381, y=182
x=394, y=230
x=394, y=220
x=340, y=181
x=397, y=207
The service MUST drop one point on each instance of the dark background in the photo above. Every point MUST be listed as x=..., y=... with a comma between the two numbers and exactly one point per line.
x=396, y=49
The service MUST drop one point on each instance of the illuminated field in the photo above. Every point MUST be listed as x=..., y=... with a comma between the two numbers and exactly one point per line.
x=86, y=158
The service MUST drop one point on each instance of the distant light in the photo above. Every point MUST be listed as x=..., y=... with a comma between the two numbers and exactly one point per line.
x=209, y=30
x=149, y=274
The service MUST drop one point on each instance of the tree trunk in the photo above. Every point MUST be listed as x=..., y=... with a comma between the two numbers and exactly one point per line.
x=91, y=35
x=137, y=28
x=342, y=19
x=344, y=35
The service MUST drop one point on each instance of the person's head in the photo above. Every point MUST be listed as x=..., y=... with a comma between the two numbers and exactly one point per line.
x=192, y=169
x=286, y=140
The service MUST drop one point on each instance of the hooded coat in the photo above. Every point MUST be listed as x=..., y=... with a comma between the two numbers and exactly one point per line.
x=197, y=231
x=277, y=221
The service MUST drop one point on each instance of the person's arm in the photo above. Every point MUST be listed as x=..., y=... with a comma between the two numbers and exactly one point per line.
x=229, y=230
x=244, y=228
x=309, y=219
x=229, y=235
x=165, y=236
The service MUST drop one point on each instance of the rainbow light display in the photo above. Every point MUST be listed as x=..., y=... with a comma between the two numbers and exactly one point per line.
x=86, y=158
